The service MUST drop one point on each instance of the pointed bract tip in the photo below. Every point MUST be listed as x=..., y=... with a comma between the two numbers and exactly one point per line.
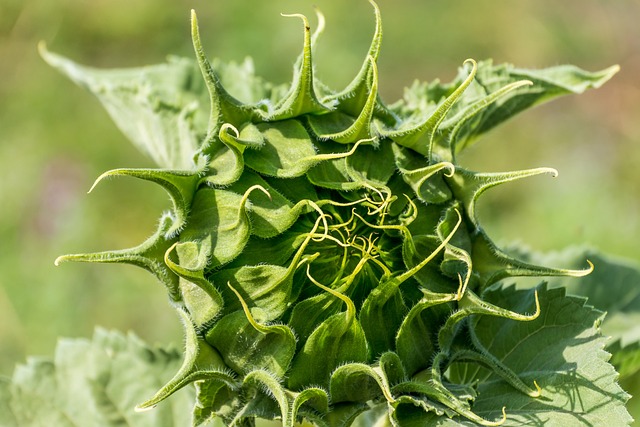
x=98, y=180
x=50, y=58
x=112, y=173
x=194, y=25
x=42, y=48
x=60, y=259
x=143, y=407
x=376, y=8
x=603, y=76
x=582, y=273
x=611, y=71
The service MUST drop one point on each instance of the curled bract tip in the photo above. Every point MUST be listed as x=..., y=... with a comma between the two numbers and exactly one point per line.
x=590, y=269
x=227, y=126
x=504, y=416
x=500, y=421
x=538, y=392
x=552, y=171
x=471, y=61
x=246, y=194
x=450, y=169
x=297, y=15
x=537, y=313
x=60, y=259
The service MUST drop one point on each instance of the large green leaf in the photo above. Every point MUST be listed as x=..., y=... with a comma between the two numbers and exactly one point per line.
x=614, y=287
x=562, y=351
x=499, y=92
x=163, y=109
x=94, y=382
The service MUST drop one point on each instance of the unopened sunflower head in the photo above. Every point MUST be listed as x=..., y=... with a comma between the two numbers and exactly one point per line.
x=323, y=249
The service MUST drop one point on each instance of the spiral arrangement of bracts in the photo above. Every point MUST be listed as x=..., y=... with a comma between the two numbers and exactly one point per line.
x=323, y=250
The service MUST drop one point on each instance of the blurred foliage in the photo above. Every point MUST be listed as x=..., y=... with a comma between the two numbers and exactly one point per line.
x=55, y=139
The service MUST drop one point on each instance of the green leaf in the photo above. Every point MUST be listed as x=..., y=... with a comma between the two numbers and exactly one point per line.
x=561, y=350
x=201, y=298
x=546, y=84
x=343, y=128
x=146, y=255
x=332, y=174
x=271, y=213
x=265, y=287
x=224, y=153
x=274, y=251
x=354, y=97
x=424, y=179
x=614, y=287
x=201, y=362
x=288, y=151
x=159, y=108
x=240, y=80
x=468, y=186
x=247, y=345
x=220, y=217
x=95, y=382
x=372, y=165
x=214, y=400
x=625, y=357
x=493, y=264
x=223, y=107
x=309, y=400
x=180, y=185
x=311, y=312
x=357, y=382
x=339, y=339
x=417, y=338
x=301, y=98
x=410, y=133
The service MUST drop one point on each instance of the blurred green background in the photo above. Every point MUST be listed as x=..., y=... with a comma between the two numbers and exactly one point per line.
x=55, y=139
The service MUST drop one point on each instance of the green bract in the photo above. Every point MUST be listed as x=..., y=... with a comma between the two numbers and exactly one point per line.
x=324, y=253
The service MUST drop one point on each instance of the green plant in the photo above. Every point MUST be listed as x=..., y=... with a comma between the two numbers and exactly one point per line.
x=324, y=253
